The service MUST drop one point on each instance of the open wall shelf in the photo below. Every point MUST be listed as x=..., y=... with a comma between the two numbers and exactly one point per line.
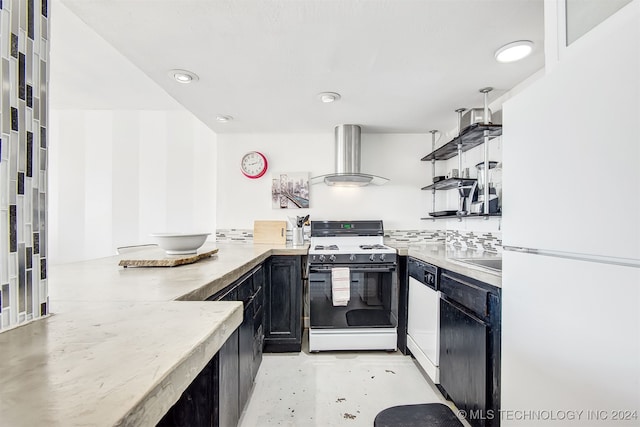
x=450, y=184
x=470, y=137
x=461, y=217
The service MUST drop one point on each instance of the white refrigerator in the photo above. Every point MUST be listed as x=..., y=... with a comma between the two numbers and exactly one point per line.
x=571, y=236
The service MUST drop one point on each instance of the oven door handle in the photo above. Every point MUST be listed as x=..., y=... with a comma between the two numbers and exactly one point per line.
x=355, y=269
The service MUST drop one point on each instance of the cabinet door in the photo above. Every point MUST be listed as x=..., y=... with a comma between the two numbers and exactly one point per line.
x=227, y=405
x=245, y=343
x=283, y=306
x=258, y=330
x=196, y=406
x=463, y=361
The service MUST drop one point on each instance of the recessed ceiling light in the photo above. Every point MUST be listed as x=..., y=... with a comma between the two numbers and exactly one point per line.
x=184, y=76
x=223, y=119
x=327, y=97
x=514, y=51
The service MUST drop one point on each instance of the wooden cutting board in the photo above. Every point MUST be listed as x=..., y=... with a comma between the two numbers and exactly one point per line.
x=168, y=261
x=273, y=232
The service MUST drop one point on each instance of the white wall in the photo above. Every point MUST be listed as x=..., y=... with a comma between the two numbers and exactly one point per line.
x=116, y=176
x=399, y=203
x=124, y=162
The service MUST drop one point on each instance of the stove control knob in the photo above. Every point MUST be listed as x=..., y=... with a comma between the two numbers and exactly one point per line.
x=352, y=257
x=371, y=258
x=332, y=258
x=321, y=258
x=381, y=257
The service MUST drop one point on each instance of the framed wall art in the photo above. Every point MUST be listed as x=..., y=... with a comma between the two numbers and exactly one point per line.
x=290, y=190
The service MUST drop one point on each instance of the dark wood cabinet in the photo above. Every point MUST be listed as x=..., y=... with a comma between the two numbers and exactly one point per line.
x=245, y=342
x=470, y=347
x=272, y=321
x=240, y=357
x=283, y=307
x=211, y=400
x=219, y=393
x=463, y=363
x=227, y=406
x=196, y=405
x=226, y=403
x=248, y=343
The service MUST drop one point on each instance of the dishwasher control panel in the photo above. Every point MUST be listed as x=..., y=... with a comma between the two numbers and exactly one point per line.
x=425, y=273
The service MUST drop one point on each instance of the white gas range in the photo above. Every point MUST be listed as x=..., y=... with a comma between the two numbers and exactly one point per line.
x=366, y=316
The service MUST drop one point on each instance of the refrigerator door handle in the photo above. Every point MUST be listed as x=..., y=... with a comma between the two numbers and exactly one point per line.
x=627, y=262
x=519, y=249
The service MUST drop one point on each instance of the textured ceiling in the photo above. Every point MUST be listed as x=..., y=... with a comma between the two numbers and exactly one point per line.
x=401, y=66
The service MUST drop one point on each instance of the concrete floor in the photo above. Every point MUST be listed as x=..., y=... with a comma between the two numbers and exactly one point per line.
x=333, y=388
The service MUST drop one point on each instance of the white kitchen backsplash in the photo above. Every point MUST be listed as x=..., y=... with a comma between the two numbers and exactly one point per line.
x=246, y=235
x=413, y=236
x=24, y=48
x=390, y=236
x=234, y=235
x=482, y=241
x=478, y=240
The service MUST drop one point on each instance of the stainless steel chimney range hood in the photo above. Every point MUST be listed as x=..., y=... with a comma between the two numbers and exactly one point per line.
x=347, y=166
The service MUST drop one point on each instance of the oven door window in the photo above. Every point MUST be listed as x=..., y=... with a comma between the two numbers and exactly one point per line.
x=371, y=304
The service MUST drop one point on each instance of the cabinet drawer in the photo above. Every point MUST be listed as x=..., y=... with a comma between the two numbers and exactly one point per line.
x=258, y=278
x=466, y=294
x=258, y=300
x=257, y=318
x=245, y=289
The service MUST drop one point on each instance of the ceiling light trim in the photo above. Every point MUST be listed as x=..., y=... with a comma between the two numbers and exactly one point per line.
x=221, y=118
x=514, y=51
x=328, y=97
x=183, y=76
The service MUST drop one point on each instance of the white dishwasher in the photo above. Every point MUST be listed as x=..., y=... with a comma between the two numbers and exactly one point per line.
x=423, y=319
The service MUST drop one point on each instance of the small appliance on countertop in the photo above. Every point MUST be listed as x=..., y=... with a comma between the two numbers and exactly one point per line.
x=476, y=115
x=477, y=205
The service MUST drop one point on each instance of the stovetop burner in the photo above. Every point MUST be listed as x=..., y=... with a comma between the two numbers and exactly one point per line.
x=376, y=246
x=326, y=247
x=349, y=243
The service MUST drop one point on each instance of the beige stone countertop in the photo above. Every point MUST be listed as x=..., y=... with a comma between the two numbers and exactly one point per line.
x=446, y=256
x=121, y=344
x=103, y=280
x=110, y=364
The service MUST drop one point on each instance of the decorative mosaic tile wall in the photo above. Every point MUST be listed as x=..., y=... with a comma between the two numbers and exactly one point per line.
x=24, y=52
x=234, y=235
x=390, y=236
x=413, y=236
x=246, y=235
x=490, y=242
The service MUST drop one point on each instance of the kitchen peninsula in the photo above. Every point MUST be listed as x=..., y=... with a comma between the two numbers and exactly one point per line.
x=122, y=344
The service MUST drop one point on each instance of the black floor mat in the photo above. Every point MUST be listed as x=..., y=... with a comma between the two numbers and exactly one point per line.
x=428, y=414
x=364, y=317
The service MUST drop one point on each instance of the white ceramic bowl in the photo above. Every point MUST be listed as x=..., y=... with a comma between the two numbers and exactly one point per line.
x=180, y=243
